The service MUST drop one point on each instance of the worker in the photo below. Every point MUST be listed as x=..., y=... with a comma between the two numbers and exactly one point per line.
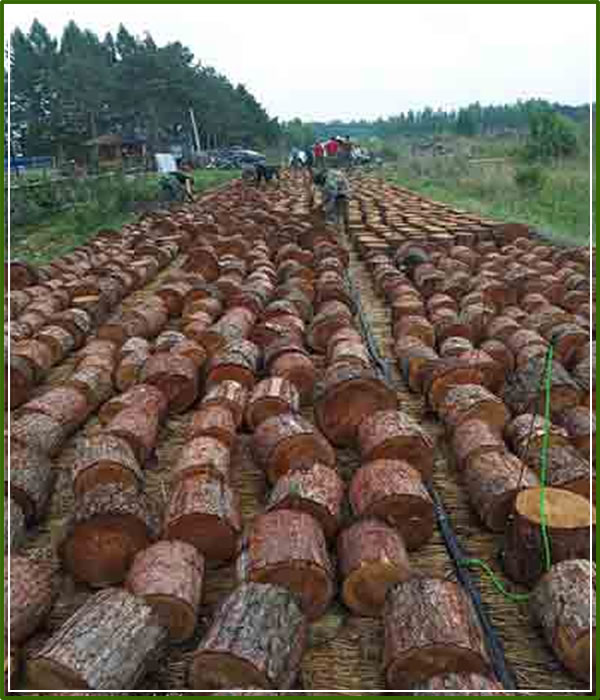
x=267, y=173
x=319, y=155
x=331, y=150
x=345, y=152
x=335, y=192
x=178, y=185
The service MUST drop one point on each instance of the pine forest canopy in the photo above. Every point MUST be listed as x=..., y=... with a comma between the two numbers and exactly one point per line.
x=68, y=91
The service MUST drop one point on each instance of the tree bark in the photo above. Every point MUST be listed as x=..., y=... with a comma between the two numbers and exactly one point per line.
x=65, y=405
x=31, y=480
x=473, y=438
x=447, y=375
x=138, y=427
x=129, y=370
x=228, y=394
x=104, y=459
x=298, y=369
x=21, y=378
x=169, y=576
x=108, y=644
x=472, y=401
x=146, y=397
x=288, y=548
x=567, y=470
x=372, y=559
x=271, y=397
x=38, y=431
x=238, y=362
x=176, y=376
x=581, y=425
x=203, y=456
x=430, y=629
x=13, y=513
x=213, y=421
x=256, y=640
x=59, y=341
x=95, y=383
x=479, y=684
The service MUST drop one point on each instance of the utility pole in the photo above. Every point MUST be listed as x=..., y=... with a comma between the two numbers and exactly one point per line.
x=195, y=130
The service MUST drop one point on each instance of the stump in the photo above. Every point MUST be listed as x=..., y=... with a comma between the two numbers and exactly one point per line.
x=139, y=427
x=393, y=435
x=143, y=396
x=33, y=588
x=298, y=369
x=271, y=397
x=561, y=606
x=287, y=441
x=205, y=513
x=473, y=438
x=493, y=481
x=256, y=640
x=288, y=548
x=213, y=421
x=176, y=376
x=392, y=491
x=126, y=637
x=111, y=523
x=230, y=395
x=169, y=576
x=105, y=459
x=316, y=490
x=430, y=629
x=568, y=526
x=31, y=480
x=472, y=401
x=348, y=395
x=203, y=456
x=372, y=559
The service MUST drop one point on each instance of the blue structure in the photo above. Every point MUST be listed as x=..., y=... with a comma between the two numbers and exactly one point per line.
x=23, y=163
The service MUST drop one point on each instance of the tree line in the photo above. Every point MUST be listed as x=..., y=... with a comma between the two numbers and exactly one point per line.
x=69, y=90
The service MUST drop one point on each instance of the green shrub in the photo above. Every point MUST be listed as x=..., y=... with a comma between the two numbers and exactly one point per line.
x=530, y=178
x=551, y=135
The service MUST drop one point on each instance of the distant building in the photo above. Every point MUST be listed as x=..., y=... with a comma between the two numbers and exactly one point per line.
x=114, y=149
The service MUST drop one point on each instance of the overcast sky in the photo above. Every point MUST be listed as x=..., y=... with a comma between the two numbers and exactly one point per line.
x=353, y=61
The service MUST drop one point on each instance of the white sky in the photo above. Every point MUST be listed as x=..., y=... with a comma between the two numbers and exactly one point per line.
x=353, y=61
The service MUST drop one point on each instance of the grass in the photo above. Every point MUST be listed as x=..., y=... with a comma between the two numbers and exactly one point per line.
x=110, y=205
x=559, y=208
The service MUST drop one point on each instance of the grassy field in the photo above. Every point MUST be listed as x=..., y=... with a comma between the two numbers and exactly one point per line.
x=486, y=184
x=111, y=208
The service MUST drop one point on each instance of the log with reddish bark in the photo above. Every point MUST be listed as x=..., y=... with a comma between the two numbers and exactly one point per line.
x=66, y=405
x=39, y=432
x=230, y=395
x=14, y=519
x=372, y=559
x=502, y=328
x=392, y=490
x=493, y=373
x=271, y=397
x=205, y=513
x=325, y=324
x=256, y=640
x=430, y=628
x=203, y=456
x=19, y=374
x=580, y=424
x=416, y=361
x=173, y=295
x=493, y=480
x=563, y=604
x=455, y=346
x=347, y=396
x=525, y=434
x=567, y=339
x=446, y=682
x=121, y=327
x=169, y=576
x=237, y=362
x=500, y=353
x=472, y=401
x=59, y=341
x=570, y=520
x=37, y=353
x=95, y=383
x=107, y=644
x=395, y=435
x=415, y=327
x=298, y=368
x=584, y=374
x=103, y=459
x=213, y=421
x=110, y=524
x=31, y=480
x=129, y=369
x=143, y=396
x=138, y=426
x=566, y=469
x=34, y=585
x=167, y=340
x=176, y=376
x=288, y=548
x=473, y=438
x=287, y=441
x=446, y=375
x=316, y=489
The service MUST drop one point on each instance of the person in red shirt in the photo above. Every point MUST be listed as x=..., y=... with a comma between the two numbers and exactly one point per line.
x=331, y=149
x=318, y=154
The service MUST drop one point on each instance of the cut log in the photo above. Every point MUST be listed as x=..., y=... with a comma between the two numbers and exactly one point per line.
x=455, y=346
x=111, y=523
x=416, y=361
x=325, y=324
x=104, y=459
x=230, y=395
x=129, y=370
x=288, y=548
x=37, y=353
x=502, y=328
x=21, y=378
x=567, y=339
x=38, y=432
x=561, y=606
x=59, y=341
x=568, y=518
x=65, y=405
x=169, y=576
x=256, y=640
x=34, y=585
x=189, y=348
x=167, y=340
x=415, y=327
x=31, y=480
x=472, y=401
x=473, y=438
x=581, y=426
x=13, y=517
x=347, y=396
x=430, y=629
x=138, y=426
x=204, y=512
x=445, y=376
x=474, y=682
x=173, y=296
x=493, y=374
x=213, y=421
x=493, y=480
x=298, y=369
x=143, y=396
x=394, y=435
x=271, y=397
x=203, y=456
x=289, y=441
x=567, y=470
x=499, y=352
x=372, y=559
x=392, y=490
x=238, y=362
x=95, y=383
x=176, y=376
x=316, y=490
x=107, y=644
x=525, y=434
